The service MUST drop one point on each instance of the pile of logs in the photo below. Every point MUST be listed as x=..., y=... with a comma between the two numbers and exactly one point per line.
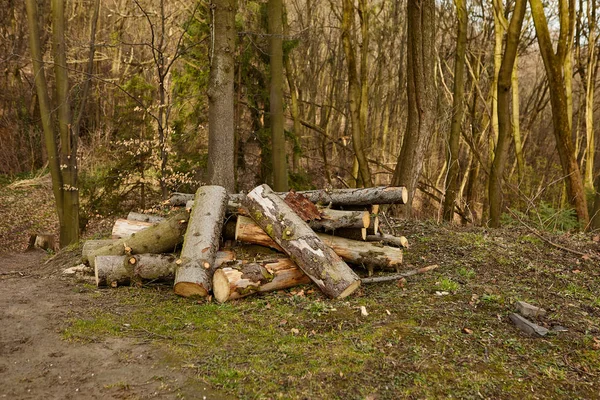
x=236, y=245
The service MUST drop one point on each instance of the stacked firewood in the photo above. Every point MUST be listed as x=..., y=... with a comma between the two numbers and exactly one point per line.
x=314, y=236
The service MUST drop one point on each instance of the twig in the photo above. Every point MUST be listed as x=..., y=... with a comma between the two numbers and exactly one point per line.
x=551, y=243
x=395, y=277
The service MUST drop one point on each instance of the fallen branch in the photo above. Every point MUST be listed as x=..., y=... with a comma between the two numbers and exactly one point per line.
x=395, y=277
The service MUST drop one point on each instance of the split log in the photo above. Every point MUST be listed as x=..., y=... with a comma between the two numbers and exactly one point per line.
x=124, y=228
x=123, y=270
x=370, y=255
x=338, y=197
x=92, y=245
x=333, y=276
x=134, y=216
x=199, y=251
x=242, y=279
x=160, y=238
x=397, y=241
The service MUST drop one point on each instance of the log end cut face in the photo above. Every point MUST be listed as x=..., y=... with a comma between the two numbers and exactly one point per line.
x=349, y=290
x=221, y=288
x=190, y=289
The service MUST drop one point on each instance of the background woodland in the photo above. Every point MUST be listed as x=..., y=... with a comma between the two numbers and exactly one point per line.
x=360, y=81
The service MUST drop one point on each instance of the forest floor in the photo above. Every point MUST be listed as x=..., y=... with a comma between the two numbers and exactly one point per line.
x=445, y=333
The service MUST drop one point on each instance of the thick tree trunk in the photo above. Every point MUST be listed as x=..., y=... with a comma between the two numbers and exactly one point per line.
x=160, y=238
x=142, y=268
x=242, y=279
x=194, y=275
x=421, y=94
x=124, y=228
x=333, y=276
x=369, y=255
x=221, y=116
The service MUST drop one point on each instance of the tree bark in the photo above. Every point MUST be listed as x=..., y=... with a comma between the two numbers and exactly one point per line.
x=333, y=276
x=370, y=255
x=242, y=279
x=199, y=251
x=421, y=93
x=504, y=115
x=221, y=116
x=553, y=63
x=457, y=111
x=275, y=30
x=92, y=245
x=133, y=216
x=160, y=238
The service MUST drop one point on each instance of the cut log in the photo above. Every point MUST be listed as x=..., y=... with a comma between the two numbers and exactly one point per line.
x=370, y=255
x=44, y=241
x=91, y=245
x=160, y=238
x=397, y=241
x=124, y=228
x=142, y=268
x=333, y=276
x=336, y=219
x=242, y=279
x=338, y=197
x=199, y=251
x=351, y=233
x=134, y=216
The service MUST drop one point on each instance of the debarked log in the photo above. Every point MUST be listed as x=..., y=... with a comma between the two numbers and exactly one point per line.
x=194, y=275
x=370, y=255
x=124, y=228
x=241, y=279
x=324, y=267
x=142, y=268
x=160, y=238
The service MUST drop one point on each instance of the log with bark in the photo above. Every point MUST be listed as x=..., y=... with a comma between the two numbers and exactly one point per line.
x=92, y=245
x=338, y=197
x=240, y=279
x=370, y=255
x=333, y=276
x=397, y=241
x=124, y=270
x=198, y=254
x=160, y=238
x=134, y=216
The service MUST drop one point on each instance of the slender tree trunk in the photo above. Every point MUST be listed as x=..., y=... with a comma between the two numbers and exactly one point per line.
x=275, y=15
x=457, y=111
x=504, y=115
x=421, y=95
x=592, y=60
x=354, y=95
x=554, y=65
x=516, y=124
x=221, y=116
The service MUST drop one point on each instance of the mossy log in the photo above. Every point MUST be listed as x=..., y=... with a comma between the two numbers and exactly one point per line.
x=160, y=238
x=324, y=267
x=134, y=216
x=142, y=268
x=124, y=228
x=369, y=255
x=199, y=251
x=240, y=279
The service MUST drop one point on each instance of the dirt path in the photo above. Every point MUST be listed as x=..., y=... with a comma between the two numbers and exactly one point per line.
x=37, y=363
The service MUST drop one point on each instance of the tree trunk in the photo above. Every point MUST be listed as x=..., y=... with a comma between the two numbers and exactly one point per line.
x=199, y=251
x=421, y=92
x=553, y=63
x=275, y=28
x=333, y=276
x=504, y=115
x=370, y=255
x=457, y=111
x=242, y=279
x=221, y=129
x=354, y=94
x=160, y=238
